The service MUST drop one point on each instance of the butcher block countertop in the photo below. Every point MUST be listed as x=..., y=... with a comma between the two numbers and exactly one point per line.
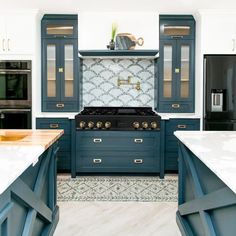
x=20, y=149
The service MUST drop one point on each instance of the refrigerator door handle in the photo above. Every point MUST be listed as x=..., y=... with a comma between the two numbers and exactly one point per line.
x=204, y=87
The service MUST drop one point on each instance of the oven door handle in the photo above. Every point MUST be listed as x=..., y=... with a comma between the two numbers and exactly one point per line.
x=7, y=71
x=14, y=110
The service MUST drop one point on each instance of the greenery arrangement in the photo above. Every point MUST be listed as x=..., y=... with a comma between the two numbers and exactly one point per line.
x=113, y=31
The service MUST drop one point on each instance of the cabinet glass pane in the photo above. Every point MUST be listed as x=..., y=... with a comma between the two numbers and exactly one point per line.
x=184, y=77
x=69, y=71
x=60, y=30
x=167, y=80
x=51, y=70
x=176, y=30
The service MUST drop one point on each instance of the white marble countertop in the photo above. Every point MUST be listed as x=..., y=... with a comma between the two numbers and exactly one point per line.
x=14, y=160
x=167, y=116
x=216, y=149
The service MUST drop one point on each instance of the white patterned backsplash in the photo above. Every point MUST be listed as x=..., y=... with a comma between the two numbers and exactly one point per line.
x=100, y=86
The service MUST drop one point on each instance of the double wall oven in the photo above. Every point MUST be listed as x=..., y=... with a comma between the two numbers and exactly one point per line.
x=15, y=94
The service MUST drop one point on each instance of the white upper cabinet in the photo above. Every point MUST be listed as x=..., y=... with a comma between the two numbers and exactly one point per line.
x=17, y=32
x=218, y=32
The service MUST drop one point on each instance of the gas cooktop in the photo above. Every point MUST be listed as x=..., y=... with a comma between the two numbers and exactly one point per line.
x=117, y=118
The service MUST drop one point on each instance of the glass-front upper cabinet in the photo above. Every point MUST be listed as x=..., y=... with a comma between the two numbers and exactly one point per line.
x=176, y=65
x=59, y=26
x=59, y=69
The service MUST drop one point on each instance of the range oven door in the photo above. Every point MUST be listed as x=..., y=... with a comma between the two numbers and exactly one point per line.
x=15, y=119
x=15, y=84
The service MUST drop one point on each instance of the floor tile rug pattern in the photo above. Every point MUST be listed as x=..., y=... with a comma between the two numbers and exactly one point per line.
x=117, y=188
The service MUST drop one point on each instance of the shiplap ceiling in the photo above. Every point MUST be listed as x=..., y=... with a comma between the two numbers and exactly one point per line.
x=163, y=6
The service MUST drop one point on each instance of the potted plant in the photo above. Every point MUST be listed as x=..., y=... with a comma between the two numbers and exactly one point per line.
x=111, y=45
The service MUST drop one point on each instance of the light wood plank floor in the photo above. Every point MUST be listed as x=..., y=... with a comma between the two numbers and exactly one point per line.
x=117, y=219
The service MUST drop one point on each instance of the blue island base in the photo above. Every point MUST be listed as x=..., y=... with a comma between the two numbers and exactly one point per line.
x=207, y=206
x=28, y=206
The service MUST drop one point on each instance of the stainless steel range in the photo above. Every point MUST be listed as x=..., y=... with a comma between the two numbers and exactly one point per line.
x=117, y=118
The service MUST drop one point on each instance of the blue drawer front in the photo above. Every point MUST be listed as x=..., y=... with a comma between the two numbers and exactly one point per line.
x=171, y=142
x=176, y=107
x=64, y=143
x=58, y=106
x=116, y=151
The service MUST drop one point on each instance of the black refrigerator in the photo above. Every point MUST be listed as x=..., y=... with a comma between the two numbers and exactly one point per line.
x=220, y=92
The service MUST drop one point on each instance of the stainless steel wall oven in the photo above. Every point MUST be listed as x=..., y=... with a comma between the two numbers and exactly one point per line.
x=15, y=94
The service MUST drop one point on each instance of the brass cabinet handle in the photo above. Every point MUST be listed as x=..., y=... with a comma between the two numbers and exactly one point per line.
x=54, y=126
x=97, y=161
x=175, y=106
x=182, y=126
x=60, y=105
x=177, y=70
x=60, y=70
x=138, y=161
x=97, y=140
x=138, y=140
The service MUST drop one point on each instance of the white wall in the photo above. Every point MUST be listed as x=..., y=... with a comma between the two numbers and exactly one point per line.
x=95, y=28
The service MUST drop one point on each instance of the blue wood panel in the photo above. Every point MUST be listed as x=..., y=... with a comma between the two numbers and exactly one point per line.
x=206, y=205
x=117, y=151
x=29, y=206
x=64, y=144
x=171, y=142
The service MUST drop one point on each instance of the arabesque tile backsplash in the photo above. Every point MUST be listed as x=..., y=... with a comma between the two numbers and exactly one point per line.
x=100, y=86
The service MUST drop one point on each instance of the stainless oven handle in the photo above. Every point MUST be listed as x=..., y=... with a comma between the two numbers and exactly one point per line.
x=5, y=71
x=14, y=110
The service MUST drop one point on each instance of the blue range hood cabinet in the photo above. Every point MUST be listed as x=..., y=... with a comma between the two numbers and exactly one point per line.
x=150, y=54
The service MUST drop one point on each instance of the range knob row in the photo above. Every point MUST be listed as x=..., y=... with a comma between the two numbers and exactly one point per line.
x=98, y=125
x=145, y=125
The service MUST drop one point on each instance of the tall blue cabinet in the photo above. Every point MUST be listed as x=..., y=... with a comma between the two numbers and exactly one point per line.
x=60, y=63
x=176, y=64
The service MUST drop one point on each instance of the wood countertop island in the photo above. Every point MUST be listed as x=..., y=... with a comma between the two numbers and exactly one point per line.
x=28, y=182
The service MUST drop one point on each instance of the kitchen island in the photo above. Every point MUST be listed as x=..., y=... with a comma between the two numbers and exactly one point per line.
x=28, y=203
x=207, y=183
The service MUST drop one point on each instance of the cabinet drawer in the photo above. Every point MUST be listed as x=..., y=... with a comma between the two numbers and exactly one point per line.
x=117, y=161
x=58, y=106
x=176, y=107
x=117, y=140
x=51, y=123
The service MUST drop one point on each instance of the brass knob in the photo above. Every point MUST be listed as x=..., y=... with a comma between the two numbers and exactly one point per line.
x=136, y=125
x=99, y=124
x=82, y=124
x=108, y=124
x=145, y=125
x=90, y=124
x=153, y=125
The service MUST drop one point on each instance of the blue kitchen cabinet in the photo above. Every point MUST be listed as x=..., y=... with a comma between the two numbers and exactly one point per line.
x=60, y=63
x=176, y=64
x=118, y=152
x=171, y=142
x=64, y=144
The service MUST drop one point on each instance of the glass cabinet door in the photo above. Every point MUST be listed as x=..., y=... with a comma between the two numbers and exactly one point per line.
x=168, y=54
x=69, y=65
x=185, y=71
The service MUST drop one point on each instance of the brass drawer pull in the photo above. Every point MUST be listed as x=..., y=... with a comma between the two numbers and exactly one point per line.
x=97, y=140
x=182, y=126
x=138, y=161
x=175, y=106
x=138, y=140
x=60, y=105
x=97, y=161
x=54, y=126
x=60, y=70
